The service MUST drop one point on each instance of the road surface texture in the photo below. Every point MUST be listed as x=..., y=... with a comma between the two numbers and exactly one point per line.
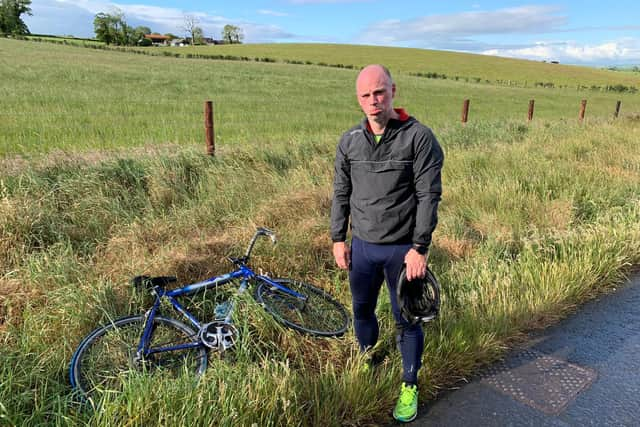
x=584, y=371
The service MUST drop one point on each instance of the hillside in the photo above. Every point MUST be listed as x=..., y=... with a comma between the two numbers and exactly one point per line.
x=72, y=98
x=412, y=61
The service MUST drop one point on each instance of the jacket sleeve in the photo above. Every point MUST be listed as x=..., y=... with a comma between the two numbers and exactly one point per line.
x=341, y=194
x=427, y=166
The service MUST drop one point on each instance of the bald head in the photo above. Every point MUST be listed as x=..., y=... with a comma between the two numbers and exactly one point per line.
x=376, y=71
x=375, y=90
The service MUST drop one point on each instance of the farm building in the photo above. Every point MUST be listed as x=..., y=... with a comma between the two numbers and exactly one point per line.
x=158, y=39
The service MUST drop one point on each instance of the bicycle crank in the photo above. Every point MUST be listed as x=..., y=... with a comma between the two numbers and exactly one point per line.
x=219, y=336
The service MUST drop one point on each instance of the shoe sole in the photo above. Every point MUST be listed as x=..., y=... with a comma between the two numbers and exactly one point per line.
x=408, y=420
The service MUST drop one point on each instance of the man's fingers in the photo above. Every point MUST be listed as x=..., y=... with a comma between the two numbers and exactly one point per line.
x=417, y=274
x=347, y=258
x=414, y=272
x=416, y=265
x=342, y=255
x=344, y=262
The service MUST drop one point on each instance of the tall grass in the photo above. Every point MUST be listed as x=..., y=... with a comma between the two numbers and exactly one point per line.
x=534, y=221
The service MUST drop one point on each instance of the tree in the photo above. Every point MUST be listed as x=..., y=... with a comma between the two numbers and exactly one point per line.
x=139, y=33
x=190, y=24
x=104, y=28
x=111, y=28
x=198, y=36
x=232, y=34
x=10, y=20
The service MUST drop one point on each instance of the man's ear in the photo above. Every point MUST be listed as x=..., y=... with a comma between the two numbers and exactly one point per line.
x=393, y=90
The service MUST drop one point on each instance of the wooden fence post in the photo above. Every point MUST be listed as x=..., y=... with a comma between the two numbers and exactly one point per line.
x=583, y=107
x=465, y=111
x=615, y=115
x=208, y=126
x=530, y=114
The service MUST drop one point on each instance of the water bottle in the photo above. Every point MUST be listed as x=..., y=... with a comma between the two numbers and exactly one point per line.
x=222, y=309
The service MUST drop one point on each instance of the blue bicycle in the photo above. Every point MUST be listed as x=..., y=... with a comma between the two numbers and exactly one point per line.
x=155, y=342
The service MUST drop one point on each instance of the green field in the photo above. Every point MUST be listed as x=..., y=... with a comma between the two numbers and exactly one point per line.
x=102, y=177
x=99, y=100
x=408, y=61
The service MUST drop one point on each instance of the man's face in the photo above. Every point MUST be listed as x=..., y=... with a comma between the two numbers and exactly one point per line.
x=375, y=94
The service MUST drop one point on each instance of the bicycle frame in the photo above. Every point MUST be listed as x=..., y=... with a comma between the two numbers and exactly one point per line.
x=243, y=273
x=107, y=351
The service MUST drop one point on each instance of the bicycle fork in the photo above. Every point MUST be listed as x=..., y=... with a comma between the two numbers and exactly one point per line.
x=145, y=339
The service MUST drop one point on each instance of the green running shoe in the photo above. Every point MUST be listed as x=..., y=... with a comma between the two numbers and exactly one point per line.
x=407, y=406
x=366, y=368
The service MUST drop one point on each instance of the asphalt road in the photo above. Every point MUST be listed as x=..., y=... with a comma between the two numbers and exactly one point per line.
x=584, y=371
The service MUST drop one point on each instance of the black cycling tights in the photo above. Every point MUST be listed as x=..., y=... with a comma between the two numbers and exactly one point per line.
x=370, y=265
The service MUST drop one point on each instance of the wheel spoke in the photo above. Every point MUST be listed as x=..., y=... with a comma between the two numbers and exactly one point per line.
x=319, y=314
x=105, y=359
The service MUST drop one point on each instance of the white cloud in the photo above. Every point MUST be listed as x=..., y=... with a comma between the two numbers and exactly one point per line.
x=271, y=13
x=524, y=19
x=260, y=33
x=326, y=1
x=59, y=18
x=620, y=51
x=463, y=32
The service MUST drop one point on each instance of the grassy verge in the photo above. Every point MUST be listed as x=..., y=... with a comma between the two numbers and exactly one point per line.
x=534, y=221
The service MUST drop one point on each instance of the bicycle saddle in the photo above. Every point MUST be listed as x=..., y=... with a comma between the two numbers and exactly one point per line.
x=149, y=282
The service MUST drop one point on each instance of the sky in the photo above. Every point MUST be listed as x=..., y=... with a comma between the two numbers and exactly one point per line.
x=583, y=32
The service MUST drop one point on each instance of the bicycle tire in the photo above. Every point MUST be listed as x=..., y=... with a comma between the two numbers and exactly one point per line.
x=320, y=315
x=107, y=353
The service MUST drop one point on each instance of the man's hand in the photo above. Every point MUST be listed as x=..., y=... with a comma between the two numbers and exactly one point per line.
x=416, y=264
x=342, y=254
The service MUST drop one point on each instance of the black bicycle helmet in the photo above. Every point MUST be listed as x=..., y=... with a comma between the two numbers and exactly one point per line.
x=419, y=299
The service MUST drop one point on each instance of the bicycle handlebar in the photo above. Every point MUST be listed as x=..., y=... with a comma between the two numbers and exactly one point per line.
x=260, y=231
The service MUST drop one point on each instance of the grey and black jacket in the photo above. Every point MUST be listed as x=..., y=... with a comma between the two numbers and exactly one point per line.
x=390, y=189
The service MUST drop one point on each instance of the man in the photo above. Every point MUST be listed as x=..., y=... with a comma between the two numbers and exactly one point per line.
x=387, y=182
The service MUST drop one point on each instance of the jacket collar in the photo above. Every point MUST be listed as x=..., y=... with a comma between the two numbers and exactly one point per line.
x=393, y=123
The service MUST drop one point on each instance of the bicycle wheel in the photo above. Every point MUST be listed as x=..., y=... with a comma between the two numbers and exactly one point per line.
x=319, y=315
x=107, y=354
